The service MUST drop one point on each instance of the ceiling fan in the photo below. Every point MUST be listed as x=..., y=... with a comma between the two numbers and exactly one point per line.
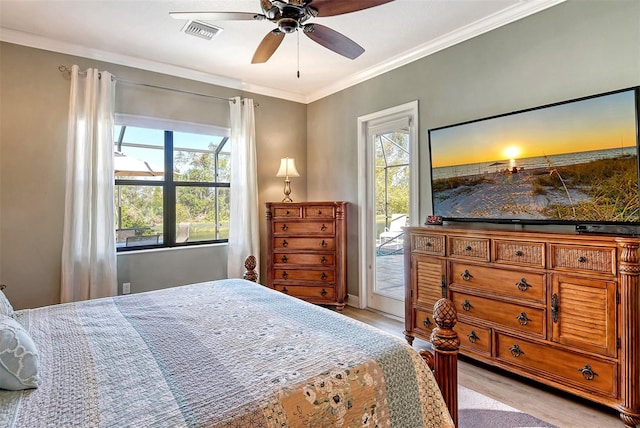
x=292, y=16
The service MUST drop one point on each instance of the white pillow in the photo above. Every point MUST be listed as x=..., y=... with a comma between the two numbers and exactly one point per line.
x=19, y=360
x=5, y=306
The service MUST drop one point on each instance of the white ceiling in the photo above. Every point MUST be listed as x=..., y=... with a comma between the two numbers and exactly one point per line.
x=141, y=34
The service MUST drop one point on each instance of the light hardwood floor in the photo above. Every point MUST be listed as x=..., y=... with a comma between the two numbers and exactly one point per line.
x=537, y=400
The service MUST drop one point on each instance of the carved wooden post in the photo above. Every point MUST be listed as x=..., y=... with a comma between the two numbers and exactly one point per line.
x=629, y=331
x=446, y=343
x=250, y=265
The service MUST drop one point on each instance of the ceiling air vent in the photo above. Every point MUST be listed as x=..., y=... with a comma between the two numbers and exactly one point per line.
x=202, y=30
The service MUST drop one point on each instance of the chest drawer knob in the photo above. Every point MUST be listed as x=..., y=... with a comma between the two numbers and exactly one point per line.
x=473, y=337
x=516, y=351
x=427, y=322
x=466, y=275
x=468, y=248
x=285, y=275
x=284, y=259
x=323, y=260
x=522, y=319
x=284, y=227
x=323, y=227
x=522, y=285
x=587, y=372
x=466, y=305
x=323, y=276
x=284, y=243
x=582, y=259
x=323, y=292
x=323, y=244
x=519, y=253
x=284, y=290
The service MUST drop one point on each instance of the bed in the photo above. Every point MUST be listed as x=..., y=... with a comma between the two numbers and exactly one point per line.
x=227, y=353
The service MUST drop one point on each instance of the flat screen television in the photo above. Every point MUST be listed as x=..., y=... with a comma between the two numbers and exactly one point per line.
x=574, y=162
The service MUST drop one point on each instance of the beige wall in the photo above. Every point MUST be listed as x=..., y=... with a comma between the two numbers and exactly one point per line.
x=575, y=49
x=33, y=118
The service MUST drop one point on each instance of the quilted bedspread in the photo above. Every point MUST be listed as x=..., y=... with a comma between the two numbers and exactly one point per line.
x=227, y=353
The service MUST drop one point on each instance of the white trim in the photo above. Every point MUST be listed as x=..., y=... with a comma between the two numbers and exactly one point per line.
x=170, y=124
x=504, y=17
x=365, y=247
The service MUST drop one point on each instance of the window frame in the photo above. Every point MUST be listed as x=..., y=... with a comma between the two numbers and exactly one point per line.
x=168, y=184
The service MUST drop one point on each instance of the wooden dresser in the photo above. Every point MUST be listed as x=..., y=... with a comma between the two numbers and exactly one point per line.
x=562, y=309
x=306, y=250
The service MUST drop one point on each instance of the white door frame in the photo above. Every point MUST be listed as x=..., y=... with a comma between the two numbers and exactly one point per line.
x=365, y=195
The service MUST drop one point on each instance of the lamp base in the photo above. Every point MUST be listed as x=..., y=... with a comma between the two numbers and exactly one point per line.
x=287, y=190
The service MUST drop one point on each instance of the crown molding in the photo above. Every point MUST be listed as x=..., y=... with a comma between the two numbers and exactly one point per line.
x=38, y=42
x=504, y=17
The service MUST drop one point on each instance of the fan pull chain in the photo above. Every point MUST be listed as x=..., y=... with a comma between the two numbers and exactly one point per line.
x=298, y=33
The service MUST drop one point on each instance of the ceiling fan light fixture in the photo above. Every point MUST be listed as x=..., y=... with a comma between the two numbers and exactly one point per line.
x=288, y=25
x=202, y=30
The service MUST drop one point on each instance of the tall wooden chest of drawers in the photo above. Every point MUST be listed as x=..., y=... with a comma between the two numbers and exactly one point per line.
x=306, y=250
x=561, y=309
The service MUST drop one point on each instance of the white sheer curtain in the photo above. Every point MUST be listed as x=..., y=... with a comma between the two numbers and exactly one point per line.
x=88, y=249
x=244, y=234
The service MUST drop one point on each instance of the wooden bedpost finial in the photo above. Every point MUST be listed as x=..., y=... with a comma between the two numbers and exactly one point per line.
x=250, y=265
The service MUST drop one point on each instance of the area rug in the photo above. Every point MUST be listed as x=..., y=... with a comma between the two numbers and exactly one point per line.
x=479, y=411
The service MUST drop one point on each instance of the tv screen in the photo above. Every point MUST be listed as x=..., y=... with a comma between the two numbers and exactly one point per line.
x=572, y=162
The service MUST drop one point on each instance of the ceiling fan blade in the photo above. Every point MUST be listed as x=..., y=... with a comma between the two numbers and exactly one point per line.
x=338, y=7
x=333, y=40
x=268, y=46
x=216, y=16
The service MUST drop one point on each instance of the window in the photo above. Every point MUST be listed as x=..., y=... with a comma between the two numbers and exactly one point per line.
x=188, y=206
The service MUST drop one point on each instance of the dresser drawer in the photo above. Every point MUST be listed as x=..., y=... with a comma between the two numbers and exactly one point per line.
x=583, y=258
x=307, y=291
x=524, y=319
x=320, y=276
x=428, y=244
x=319, y=211
x=303, y=259
x=585, y=372
x=315, y=244
x=503, y=282
x=423, y=322
x=287, y=212
x=474, y=338
x=519, y=253
x=469, y=248
x=308, y=227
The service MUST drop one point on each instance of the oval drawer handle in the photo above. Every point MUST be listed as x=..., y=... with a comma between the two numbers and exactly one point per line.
x=427, y=323
x=284, y=259
x=323, y=227
x=323, y=292
x=323, y=276
x=582, y=259
x=284, y=243
x=555, y=307
x=427, y=244
x=284, y=227
x=516, y=351
x=587, y=372
x=466, y=305
x=473, y=337
x=323, y=244
x=523, y=285
x=466, y=275
x=522, y=319
x=468, y=248
x=285, y=275
x=323, y=260
x=519, y=253
x=284, y=290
